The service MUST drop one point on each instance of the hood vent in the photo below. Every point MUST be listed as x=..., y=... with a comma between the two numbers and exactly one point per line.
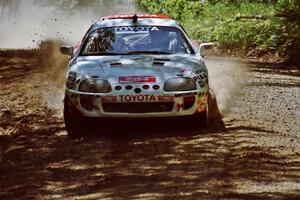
x=117, y=64
x=161, y=59
x=159, y=63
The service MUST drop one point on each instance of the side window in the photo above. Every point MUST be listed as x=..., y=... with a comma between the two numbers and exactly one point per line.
x=190, y=50
x=178, y=43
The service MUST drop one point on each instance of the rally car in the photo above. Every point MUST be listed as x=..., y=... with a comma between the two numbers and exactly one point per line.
x=135, y=66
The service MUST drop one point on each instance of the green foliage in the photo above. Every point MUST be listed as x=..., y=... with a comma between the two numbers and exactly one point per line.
x=264, y=25
x=289, y=10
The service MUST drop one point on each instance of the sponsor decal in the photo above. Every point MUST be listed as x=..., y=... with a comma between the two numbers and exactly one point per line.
x=200, y=77
x=201, y=103
x=109, y=99
x=186, y=94
x=137, y=98
x=145, y=98
x=136, y=28
x=179, y=106
x=183, y=71
x=165, y=98
x=201, y=74
x=137, y=79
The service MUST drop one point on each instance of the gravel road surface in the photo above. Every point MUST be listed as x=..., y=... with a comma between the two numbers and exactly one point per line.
x=250, y=151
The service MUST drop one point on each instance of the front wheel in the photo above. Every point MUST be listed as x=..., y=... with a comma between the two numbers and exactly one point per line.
x=73, y=119
x=203, y=118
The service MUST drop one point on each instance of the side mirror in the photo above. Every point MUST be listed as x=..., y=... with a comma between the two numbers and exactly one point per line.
x=205, y=46
x=68, y=50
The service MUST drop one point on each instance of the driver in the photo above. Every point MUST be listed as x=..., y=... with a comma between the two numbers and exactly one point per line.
x=93, y=42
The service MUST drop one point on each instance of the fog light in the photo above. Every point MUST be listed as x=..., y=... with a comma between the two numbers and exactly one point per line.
x=86, y=103
x=188, y=102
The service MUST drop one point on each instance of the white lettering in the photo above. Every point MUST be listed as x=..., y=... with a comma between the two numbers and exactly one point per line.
x=123, y=28
x=136, y=28
x=154, y=28
x=145, y=98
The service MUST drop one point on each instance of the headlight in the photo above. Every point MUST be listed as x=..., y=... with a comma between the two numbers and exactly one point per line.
x=95, y=86
x=180, y=84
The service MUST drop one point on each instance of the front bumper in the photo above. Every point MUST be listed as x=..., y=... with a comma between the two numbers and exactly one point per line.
x=132, y=105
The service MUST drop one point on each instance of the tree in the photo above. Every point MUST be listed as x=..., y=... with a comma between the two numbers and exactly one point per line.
x=290, y=11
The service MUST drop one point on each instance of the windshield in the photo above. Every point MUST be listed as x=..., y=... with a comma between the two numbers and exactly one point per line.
x=136, y=40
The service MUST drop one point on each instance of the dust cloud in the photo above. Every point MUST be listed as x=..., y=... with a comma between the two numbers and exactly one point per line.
x=45, y=25
x=25, y=23
x=226, y=79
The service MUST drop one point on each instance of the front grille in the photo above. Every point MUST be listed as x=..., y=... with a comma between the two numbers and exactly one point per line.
x=138, y=107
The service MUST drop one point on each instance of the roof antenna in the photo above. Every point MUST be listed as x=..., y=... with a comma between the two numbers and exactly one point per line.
x=134, y=18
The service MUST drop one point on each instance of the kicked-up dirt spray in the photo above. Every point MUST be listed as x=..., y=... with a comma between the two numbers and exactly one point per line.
x=45, y=25
x=226, y=79
x=25, y=23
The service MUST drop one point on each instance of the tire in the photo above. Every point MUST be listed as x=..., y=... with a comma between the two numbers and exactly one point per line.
x=207, y=112
x=72, y=118
x=203, y=118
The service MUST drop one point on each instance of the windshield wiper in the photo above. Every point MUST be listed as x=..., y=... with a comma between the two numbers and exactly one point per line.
x=100, y=53
x=148, y=52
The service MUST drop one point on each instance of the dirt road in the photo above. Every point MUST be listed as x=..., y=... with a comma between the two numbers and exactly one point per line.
x=253, y=152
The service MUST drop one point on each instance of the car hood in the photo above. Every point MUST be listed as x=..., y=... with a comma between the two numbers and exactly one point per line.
x=160, y=67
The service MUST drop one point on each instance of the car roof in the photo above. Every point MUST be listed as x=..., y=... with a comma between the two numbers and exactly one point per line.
x=142, y=19
x=130, y=16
